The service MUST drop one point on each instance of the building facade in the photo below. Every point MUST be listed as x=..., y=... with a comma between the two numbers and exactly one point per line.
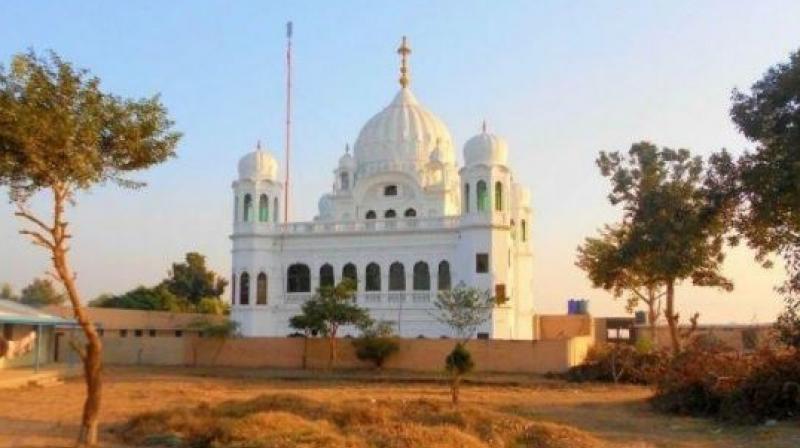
x=403, y=219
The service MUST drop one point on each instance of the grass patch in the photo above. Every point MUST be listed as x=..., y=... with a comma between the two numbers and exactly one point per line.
x=288, y=420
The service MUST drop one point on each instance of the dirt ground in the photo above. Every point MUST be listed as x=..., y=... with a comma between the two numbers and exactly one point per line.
x=619, y=415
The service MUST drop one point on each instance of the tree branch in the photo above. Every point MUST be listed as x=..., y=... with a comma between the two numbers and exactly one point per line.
x=38, y=239
x=23, y=213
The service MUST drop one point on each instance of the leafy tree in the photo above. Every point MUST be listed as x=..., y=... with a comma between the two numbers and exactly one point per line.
x=212, y=305
x=376, y=343
x=7, y=292
x=330, y=309
x=143, y=298
x=463, y=309
x=193, y=280
x=674, y=220
x=607, y=267
x=766, y=181
x=41, y=292
x=458, y=363
x=61, y=134
x=218, y=331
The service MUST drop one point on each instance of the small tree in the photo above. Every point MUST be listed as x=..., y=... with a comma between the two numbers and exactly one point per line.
x=464, y=310
x=330, y=309
x=676, y=220
x=7, y=292
x=218, y=331
x=458, y=363
x=376, y=343
x=60, y=134
x=193, y=280
x=41, y=292
x=607, y=266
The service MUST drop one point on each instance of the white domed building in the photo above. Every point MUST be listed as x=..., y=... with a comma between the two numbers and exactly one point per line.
x=402, y=219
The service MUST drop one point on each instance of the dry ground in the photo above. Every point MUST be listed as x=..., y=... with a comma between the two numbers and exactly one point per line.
x=47, y=417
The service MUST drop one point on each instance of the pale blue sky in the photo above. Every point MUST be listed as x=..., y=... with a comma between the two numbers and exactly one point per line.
x=560, y=80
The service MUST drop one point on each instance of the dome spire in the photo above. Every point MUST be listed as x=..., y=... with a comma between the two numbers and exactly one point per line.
x=404, y=51
x=483, y=126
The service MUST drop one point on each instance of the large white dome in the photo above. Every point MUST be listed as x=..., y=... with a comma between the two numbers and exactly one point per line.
x=405, y=132
x=258, y=165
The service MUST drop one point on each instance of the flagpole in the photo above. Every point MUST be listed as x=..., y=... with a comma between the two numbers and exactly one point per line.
x=288, y=119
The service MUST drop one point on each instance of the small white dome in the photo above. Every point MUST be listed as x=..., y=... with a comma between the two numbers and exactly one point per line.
x=404, y=132
x=347, y=161
x=487, y=149
x=258, y=165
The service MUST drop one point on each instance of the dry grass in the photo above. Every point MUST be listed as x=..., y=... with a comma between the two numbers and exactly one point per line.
x=321, y=410
x=289, y=420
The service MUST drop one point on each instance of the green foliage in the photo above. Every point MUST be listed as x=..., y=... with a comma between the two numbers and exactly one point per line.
x=219, y=330
x=767, y=180
x=158, y=298
x=464, y=309
x=41, y=292
x=376, y=343
x=788, y=323
x=58, y=129
x=176, y=293
x=7, y=292
x=459, y=361
x=212, y=305
x=330, y=308
x=676, y=226
x=193, y=280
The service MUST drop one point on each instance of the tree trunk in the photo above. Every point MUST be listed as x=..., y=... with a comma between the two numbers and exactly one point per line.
x=454, y=388
x=92, y=356
x=652, y=317
x=672, y=318
x=332, y=347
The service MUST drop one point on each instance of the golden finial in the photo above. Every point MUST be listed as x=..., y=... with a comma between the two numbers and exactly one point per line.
x=483, y=126
x=404, y=51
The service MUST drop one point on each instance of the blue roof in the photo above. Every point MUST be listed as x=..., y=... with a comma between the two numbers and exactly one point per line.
x=16, y=313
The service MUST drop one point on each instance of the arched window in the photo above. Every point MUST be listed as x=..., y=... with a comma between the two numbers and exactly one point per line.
x=390, y=214
x=498, y=196
x=233, y=289
x=444, y=275
x=410, y=213
x=298, y=278
x=483, y=196
x=466, y=198
x=275, y=210
x=422, y=277
x=326, y=275
x=349, y=271
x=263, y=208
x=344, y=181
x=235, y=208
x=244, y=289
x=370, y=215
x=397, y=277
x=261, y=289
x=373, y=282
x=524, y=231
x=248, y=208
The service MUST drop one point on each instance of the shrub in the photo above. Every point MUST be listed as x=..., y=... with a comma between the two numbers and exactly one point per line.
x=376, y=344
x=743, y=388
x=458, y=363
x=621, y=363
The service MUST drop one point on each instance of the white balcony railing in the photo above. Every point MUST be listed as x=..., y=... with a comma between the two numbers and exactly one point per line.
x=399, y=224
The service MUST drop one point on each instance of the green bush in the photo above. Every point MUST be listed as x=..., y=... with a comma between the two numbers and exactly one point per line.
x=376, y=344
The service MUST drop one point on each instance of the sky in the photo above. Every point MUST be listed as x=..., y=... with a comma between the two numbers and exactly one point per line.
x=560, y=81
